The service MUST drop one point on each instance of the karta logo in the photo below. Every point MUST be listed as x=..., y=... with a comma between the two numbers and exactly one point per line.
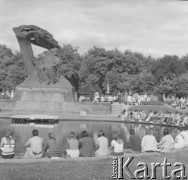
x=145, y=171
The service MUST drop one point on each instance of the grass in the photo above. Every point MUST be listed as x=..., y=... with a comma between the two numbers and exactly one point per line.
x=87, y=169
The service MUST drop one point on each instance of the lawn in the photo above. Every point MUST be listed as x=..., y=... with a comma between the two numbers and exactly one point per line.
x=83, y=169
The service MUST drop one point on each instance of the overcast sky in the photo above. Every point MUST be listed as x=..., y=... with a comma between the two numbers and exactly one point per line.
x=152, y=27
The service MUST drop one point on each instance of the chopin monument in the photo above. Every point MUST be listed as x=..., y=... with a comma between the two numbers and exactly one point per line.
x=43, y=91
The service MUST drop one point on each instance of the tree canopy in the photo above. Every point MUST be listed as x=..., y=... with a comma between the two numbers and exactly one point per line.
x=123, y=71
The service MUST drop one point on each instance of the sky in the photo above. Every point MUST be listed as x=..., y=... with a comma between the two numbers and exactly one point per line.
x=151, y=27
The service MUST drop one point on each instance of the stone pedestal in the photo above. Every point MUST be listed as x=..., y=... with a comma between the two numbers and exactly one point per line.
x=46, y=99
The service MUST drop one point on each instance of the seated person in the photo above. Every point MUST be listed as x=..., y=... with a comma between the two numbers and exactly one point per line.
x=185, y=120
x=179, y=140
x=149, y=142
x=101, y=144
x=184, y=134
x=7, y=146
x=167, y=142
x=122, y=113
x=52, y=149
x=86, y=145
x=72, y=146
x=117, y=145
x=154, y=117
x=149, y=115
x=134, y=141
x=142, y=115
x=34, y=146
x=131, y=116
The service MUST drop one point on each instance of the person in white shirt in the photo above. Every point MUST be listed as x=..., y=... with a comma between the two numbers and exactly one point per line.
x=7, y=146
x=102, y=145
x=117, y=145
x=184, y=133
x=34, y=146
x=149, y=142
x=167, y=142
x=185, y=120
x=179, y=140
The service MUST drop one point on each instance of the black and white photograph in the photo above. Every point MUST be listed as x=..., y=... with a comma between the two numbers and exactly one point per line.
x=93, y=90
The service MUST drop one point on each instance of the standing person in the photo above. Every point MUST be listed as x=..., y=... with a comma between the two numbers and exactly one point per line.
x=101, y=144
x=149, y=142
x=167, y=142
x=134, y=141
x=52, y=148
x=86, y=145
x=117, y=145
x=72, y=146
x=34, y=146
x=7, y=146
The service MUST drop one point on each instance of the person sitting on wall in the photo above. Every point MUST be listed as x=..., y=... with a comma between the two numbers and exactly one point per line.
x=149, y=142
x=7, y=146
x=134, y=141
x=184, y=134
x=149, y=116
x=101, y=144
x=34, y=146
x=179, y=140
x=86, y=145
x=72, y=146
x=117, y=145
x=52, y=149
x=167, y=142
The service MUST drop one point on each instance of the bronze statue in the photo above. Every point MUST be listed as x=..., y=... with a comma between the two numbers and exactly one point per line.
x=43, y=70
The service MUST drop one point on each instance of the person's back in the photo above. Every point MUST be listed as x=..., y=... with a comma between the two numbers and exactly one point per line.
x=34, y=146
x=166, y=143
x=179, y=142
x=135, y=142
x=87, y=149
x=117, y=145
x=102, y=143
x=185, y=137
x=72, y=146
x=52, y=148
x=7, y=146
x=149, y=142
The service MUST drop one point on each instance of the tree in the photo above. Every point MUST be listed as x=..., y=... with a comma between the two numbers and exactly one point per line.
x=168, y=66
x=119, y=69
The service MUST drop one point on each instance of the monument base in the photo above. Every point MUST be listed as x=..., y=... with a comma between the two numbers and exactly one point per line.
x=45, y=99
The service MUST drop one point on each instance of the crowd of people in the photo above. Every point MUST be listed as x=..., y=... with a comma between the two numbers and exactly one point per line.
x=87, y=146
x=175, y=102
x=7, y=94
x=126, y=98
x=167, y=117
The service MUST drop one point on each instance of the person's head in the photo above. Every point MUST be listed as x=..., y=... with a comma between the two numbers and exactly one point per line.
x=101, y=133
x=51, y=136
x=148, y=131
x=84, y=134
x=131, y=131
x=72, y=135
x=35, y=132
x=166, y=132
x=116, y=135
x=155, y=112
x=8, y=133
